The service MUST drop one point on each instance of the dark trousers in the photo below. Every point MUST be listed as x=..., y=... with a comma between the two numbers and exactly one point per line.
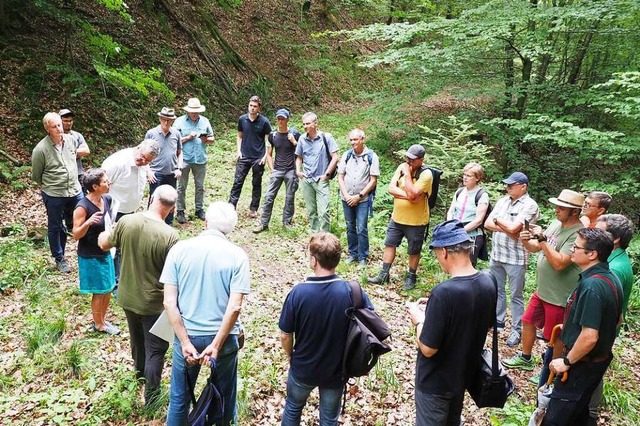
x=569, y=404
x=163, y=180
x=147, y=351
x=59, y=210
x=242, y=170
x=442, y=410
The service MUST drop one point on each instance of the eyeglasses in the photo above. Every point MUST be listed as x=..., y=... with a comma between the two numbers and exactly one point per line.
x=575, y=247
x=588, y=205
x=511, y=185
x=411, y=160
x=354, y=139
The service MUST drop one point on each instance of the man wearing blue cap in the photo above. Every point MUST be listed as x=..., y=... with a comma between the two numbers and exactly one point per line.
x=508, y=256
x=451, y=326
x=283, y=169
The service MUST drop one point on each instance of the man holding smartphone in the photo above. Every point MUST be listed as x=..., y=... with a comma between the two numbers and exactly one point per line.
x=508, y=256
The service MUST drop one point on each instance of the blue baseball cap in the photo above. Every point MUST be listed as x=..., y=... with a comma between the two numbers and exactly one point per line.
x=516, y=177
x=283, y=113
x=449, y=233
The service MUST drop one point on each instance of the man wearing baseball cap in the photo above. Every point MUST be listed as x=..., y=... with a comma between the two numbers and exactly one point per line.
x=82, y=149
x=556, y=276
x=451, y=327
x=410, y=187
x=508, y=256
x=283, y=169
x=195, y=133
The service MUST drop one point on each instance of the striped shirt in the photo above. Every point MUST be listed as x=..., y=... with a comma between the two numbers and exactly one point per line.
x=504, y=248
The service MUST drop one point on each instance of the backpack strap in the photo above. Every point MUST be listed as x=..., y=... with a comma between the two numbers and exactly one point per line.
x=613, y=287
x=356, y=294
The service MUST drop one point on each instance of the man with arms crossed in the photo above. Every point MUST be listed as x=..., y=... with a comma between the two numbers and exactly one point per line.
x=451, y=327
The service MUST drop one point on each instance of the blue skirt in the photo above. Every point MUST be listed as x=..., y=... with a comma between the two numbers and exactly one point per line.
x=97, y=274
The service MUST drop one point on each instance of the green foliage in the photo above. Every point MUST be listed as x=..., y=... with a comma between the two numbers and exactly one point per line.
x=117, y=6
x=119, y=399
x=20, y=262
x=514, y=413
x=13, y=176
x=620, y=95
x=43, y=334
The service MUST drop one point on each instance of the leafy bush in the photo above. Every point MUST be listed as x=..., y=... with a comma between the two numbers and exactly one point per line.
x=20, y=262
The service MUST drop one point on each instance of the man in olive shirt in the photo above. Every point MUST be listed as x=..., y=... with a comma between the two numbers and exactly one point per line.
x=53, y=166
x=144, y=239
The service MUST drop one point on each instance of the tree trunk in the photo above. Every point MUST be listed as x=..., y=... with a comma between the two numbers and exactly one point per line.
x=508, y=78
x=580, y=55
x=523, y=91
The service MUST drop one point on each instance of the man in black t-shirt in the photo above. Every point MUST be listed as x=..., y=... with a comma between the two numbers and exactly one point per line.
x=252, y=129
x=283, y=169
x=451, y=326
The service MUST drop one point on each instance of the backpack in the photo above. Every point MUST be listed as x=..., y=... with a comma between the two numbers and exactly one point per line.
x=479, y=194
x=364, y=343
x=435, y=184
x=326, y=148
x=372, y=194
x=209, y=408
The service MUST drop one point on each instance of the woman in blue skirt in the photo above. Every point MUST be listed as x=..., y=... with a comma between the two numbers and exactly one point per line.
x=95, y=267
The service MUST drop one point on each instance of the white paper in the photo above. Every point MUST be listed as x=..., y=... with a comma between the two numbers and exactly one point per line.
x=162, y=328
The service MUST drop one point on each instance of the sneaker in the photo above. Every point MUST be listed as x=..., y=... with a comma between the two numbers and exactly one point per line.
x=63, y=266
x=260, y=229
x=180, y=217
x=534, y=379
x=362, y=264
x=253, y=214
x=500, y=326
x=109, y=329
x=539, y=335
x=350, y=259
x=201, y=215
x=519, y=362
x=514, y=339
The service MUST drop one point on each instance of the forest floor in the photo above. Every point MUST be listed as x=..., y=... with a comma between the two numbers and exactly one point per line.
x=79, y=377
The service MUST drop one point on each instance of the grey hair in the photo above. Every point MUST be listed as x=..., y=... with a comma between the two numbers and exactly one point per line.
x=358, y=133
x=310, y=115
x=464, y=247
x=620, y=227
x=604, y=199
x=48, y=117
x=166, y=195
x=222, y=216
x=150, y=146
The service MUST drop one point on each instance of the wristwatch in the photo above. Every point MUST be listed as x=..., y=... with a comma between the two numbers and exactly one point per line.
x=495, y=220
x=361, y=195
x=542, y=238
x=566, y=361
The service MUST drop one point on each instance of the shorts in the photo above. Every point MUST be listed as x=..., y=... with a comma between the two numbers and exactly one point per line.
x=543, y=315
x=413, y=233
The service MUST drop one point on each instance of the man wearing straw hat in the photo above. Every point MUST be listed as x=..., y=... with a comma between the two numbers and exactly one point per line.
x=195, y=131
x=556, y=276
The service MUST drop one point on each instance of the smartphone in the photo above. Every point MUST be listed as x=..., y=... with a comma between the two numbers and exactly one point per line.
x=202, y=135
x=526, y=225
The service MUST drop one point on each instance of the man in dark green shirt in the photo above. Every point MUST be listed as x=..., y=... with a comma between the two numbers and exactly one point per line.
x=593, y=311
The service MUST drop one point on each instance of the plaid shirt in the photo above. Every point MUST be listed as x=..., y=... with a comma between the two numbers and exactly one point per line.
x=504, y=248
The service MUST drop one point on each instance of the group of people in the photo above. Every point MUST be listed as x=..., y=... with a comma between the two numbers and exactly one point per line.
x=584, y=275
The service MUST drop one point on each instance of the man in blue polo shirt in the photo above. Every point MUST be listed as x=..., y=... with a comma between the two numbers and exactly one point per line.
x=253, y=127
x=195, y=131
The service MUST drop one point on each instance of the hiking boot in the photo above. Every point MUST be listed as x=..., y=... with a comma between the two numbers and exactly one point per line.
x=514, y=339
x=519, y=362
x=381, y=278
x=350, y=259
x=410, y=280
x=63, y=266
x=180, y=217
x=201, y=215
x=260, y=229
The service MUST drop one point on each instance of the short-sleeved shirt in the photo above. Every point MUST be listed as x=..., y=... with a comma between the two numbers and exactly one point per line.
x=457, y=317
x=285, y=151
x=504, y=248
x=128, y=181
x=88, y=245
x=620, y=265
x=555, y=286
x=56, y=169
x=404, y=211
x=594, y=304
x=358, y=171
x=167, y=159
x=144, y=244
x=193, y=151
x=206, y=269
x=79, y=139
x=315, y=160
x=465, y=208
x=314, y=312
x=253, y=134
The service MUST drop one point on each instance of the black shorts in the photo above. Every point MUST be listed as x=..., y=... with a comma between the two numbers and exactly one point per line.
x=414, y=234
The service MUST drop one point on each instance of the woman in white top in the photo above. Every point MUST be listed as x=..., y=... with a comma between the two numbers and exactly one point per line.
x=469, y=206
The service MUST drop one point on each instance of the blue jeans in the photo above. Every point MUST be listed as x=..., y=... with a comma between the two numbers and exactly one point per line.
x=290, y=180
x=57, y=209
x=163, y=180
x=516, y=274
x=357, y=231
x=199, y=172
x=297, y=395
x=227, y=373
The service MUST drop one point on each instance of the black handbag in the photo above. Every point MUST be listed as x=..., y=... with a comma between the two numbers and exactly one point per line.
x=491, y=386
x=209, y=409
